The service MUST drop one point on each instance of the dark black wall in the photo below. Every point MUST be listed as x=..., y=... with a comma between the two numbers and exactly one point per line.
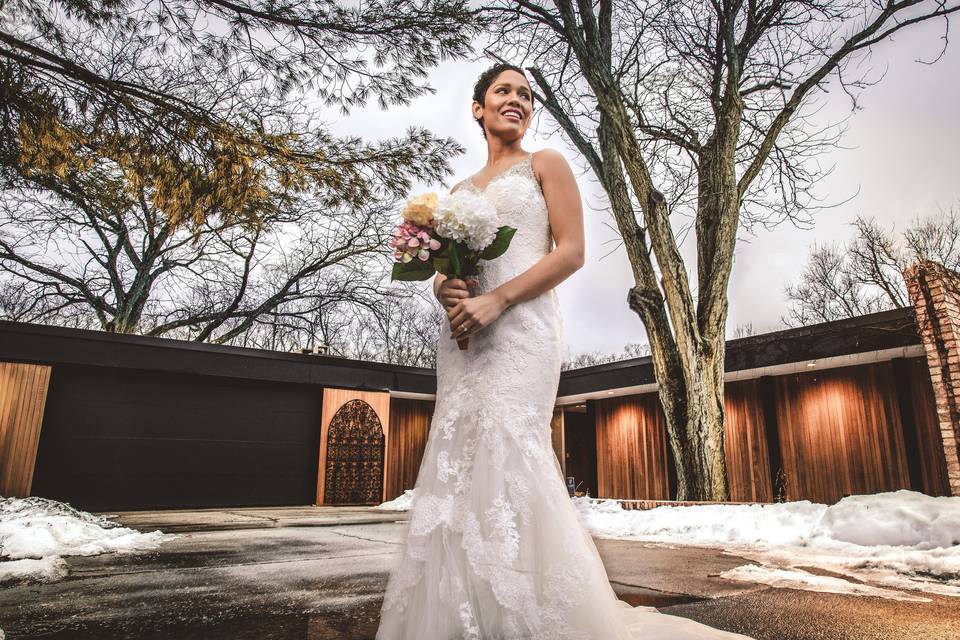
x=129, y=439
x=580, y=443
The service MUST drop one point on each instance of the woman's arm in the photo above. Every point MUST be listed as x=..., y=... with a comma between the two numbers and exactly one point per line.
x=437, y=281
x=565, y=212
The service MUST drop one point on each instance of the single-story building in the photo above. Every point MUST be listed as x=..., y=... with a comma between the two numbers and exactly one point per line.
x=106, y=421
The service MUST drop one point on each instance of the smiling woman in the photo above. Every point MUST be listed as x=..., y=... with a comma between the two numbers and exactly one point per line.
x=503, y=95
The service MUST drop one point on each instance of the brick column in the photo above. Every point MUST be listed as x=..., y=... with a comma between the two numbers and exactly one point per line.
x=935, y=291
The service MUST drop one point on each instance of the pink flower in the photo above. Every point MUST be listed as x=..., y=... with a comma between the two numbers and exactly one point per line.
x=410, y=240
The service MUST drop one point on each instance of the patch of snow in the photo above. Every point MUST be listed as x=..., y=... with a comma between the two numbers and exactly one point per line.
x=799, y=579
x=400, y=503
x=48, y=569
x=36, y=532
x=900, y=539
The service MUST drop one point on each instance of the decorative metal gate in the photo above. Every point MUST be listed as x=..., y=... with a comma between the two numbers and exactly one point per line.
x=355, y=450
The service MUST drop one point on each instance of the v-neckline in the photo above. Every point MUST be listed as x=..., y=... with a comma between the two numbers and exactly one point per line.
x=474, y=184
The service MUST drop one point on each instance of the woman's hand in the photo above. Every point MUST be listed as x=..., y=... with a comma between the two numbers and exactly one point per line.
x=451, y=291
x=470, y=315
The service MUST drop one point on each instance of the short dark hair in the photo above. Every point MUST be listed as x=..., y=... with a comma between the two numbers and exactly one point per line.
x=486, y=79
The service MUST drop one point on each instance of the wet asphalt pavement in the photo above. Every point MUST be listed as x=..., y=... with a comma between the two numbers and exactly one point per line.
x=312, y=574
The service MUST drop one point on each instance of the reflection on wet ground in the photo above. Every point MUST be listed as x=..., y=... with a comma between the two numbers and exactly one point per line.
x=357, y=621
x=327, y=582
x=357, y=624
x=285, y=583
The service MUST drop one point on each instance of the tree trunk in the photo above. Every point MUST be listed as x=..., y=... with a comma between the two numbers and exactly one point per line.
x=692, y=403
x=686, y=339
x=123, y=324
x=688, y=352
x=691, y=394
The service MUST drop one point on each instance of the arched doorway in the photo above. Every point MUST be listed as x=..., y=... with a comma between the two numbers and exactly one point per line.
x=355, y=452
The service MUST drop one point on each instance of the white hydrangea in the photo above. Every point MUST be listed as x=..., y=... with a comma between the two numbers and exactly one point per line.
x=467, y=217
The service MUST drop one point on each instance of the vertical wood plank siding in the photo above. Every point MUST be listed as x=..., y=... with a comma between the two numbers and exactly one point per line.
x=840, y=433
x=23, y=396
x=745, y=443
x=557, y=426
x=631, y=448
x=409, y=426
x=933, y=464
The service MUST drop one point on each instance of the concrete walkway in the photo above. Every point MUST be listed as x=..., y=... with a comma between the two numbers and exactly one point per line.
x=318, y=573
x=173, y=521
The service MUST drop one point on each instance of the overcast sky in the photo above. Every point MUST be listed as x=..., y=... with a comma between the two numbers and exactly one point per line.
x=901, y=159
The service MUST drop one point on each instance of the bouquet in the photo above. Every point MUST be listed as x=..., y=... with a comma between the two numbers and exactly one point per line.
x=448, y=234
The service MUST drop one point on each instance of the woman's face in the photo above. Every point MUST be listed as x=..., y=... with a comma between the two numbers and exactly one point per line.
x=508, y=106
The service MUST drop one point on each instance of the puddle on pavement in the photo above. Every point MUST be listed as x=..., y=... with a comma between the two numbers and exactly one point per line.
x=644, y=598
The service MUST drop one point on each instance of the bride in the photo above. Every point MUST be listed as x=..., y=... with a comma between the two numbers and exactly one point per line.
x=495, y=549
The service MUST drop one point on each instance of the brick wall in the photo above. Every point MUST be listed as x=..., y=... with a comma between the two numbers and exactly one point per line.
x=935, y=291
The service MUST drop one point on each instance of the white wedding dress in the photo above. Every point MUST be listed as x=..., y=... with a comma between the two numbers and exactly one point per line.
x=495, y=549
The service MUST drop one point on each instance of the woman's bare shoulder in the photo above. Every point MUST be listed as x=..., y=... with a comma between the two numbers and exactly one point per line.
x=547, y=161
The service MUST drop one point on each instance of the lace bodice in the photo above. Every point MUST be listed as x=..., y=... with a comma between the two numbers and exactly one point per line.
x=518, y=198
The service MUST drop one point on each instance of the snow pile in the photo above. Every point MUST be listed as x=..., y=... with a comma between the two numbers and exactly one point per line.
x=900, y=540
x=36, y=532
x=400, y=503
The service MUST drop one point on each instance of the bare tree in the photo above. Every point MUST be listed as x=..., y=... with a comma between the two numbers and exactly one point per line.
x=163, y=172
x=81, y=250
x=587, y=359
x=694, y=116
x=304, y=277
x=398, y=326
x=592, y=358
x=744, y=330
x=203, y=99
x=866, y=275
x=405, y=331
